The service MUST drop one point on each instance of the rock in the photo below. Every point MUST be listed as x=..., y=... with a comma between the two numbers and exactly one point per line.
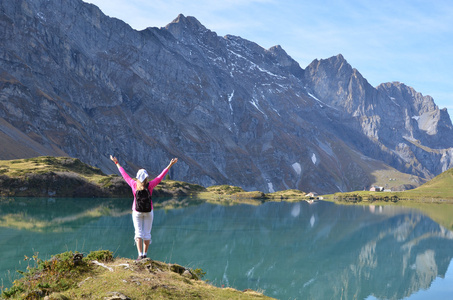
x=56, y=296
x=187, y=274
x=177, y=269
x=116, y=296
x=77, y=258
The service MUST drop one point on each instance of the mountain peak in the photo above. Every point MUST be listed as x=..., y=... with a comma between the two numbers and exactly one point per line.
x=285, y=60
x=278, y=51
x=179, y=26
x=338, y=60
x=404, y=92
x=280, y=54
x=339, y=57
x=181, y=19
x=332, y=65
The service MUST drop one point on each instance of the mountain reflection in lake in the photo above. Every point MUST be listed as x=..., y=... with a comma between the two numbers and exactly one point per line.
x=287, y=250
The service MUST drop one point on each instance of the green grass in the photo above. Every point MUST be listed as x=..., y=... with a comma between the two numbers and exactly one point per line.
x=62, y=277
x=49, y=164
x=224, y=189
x=440, y=186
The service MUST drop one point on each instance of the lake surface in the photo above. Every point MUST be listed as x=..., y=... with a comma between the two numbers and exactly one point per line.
x=286, y=250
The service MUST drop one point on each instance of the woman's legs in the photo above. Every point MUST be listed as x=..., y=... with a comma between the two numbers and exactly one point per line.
x=146, y=246
x=139, y=243
x=143, y=223
x=147, y=226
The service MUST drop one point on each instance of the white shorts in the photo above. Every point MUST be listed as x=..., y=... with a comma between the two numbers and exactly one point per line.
x=143, y=222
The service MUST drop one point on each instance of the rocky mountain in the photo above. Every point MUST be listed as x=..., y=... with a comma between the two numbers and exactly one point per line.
x=76, y=82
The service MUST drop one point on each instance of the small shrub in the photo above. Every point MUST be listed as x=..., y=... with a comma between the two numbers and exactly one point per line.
x=100, y=255
x=198, y=273
x=59, y=273
x=8, y=293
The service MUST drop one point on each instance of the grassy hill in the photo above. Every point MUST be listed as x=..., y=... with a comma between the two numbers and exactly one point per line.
x=56, y=177
x=438, y=189
x=100, y=276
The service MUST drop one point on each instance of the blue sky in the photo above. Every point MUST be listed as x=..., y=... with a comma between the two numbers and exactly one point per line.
x=410, y=41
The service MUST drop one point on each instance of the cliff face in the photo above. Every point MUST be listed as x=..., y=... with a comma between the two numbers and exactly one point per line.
x=76, y=82
x=397, y=119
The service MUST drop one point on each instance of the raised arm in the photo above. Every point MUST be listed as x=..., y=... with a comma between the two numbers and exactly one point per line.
x=172, y=162
x=126, y=176
x=112, y=158
x=161, y=176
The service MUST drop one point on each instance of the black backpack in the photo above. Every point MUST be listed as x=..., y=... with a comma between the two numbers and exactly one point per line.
x=143, y=200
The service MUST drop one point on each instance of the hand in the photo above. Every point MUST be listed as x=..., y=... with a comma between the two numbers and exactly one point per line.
x=172, y=162
x=114, y=159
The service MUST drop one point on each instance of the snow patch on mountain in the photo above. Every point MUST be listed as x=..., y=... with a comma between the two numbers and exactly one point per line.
x=255, y=66
x=230, y=98
x=297, y=168
x=254, y=103
x=428, y=123
x=321, y=104
x=314, y=159
x=393, y=100
x=271, y=187
x=326, y=148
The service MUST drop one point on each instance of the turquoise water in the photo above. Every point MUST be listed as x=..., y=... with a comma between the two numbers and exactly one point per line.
x=286, y=250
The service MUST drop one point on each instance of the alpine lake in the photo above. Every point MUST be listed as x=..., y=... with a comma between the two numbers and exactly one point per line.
x=287, y=250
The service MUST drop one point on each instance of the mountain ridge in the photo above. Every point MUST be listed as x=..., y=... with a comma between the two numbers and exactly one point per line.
x=86, y=85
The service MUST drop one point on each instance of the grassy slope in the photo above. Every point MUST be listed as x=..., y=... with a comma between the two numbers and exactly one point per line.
x=438, y=189
x=55, y=176
x=440, y=186
x=61, y=278
x=45, y=164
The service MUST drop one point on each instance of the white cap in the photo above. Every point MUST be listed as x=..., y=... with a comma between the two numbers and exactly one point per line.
x=142, y=175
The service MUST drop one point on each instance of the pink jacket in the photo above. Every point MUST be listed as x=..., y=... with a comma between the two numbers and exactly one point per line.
x=133, y=184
